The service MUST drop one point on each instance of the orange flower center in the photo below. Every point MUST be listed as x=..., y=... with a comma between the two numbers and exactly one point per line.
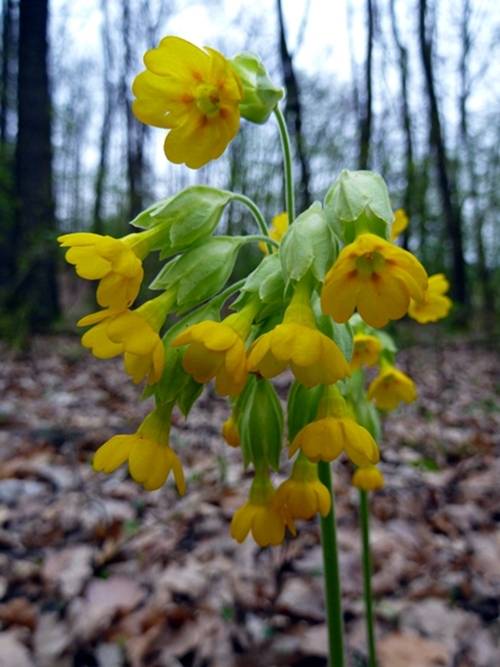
x=370, y=262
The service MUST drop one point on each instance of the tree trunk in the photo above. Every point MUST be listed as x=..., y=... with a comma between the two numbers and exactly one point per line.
x=35, y=289
x=410, y=193
x=365, y=128
x=446, y=186
x=7, y=58
x=293, y=112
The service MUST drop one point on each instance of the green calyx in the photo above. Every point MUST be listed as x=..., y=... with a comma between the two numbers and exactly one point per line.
x=260, y=95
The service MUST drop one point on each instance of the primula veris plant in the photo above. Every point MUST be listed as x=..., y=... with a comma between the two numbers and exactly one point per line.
x=295, y=312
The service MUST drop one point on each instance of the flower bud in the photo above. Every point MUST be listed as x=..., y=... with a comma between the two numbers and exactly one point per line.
x=309, y=244
x=200, y=272
x=260, y=424
x=189, y=216
x=358, y=202
x=260, y=95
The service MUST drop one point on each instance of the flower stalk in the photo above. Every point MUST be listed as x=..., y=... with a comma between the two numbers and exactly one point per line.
x=364, y=518
x=288, y=164
x=331, y=570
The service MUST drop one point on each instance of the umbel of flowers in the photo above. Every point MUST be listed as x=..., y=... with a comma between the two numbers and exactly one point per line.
x=327, y=281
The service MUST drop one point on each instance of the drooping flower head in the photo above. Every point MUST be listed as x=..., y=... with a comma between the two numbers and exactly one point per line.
x=193, y=92
x=260, y=515
x=391, y=387
x=434, y=305
x=400, y=223
x=374, y=276
x=277, y=230
x=217, y=350
x=366, y=351
x=116, y=263
x=368, y=478
x=149, y=455
x=298, y=344
x=303, y=495
x=133, y=333
x=334, y=432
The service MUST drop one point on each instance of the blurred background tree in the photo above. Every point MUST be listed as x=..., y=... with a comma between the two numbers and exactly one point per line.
x=403, y=88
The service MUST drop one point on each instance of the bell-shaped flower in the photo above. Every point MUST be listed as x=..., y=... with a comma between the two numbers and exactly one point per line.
x=230, y=432
x=391, y=387
x=298, y=344
x=277, y=230
x=368, y=478
x=334, y=432
x=116, y=263
x=133, y=333
x=434, y=305
x=400, y=223
x=261, y=516
x=149, y=455
x=366, y=351
x=303, y=495
x=217, y=350
x=194, y=93
x=374, y=276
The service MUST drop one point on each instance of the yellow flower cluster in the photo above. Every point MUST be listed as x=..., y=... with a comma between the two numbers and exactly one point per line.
x=295, y=313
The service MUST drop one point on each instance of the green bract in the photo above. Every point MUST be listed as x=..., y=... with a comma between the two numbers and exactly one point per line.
x=189, y=216
x=200, y=272
x=302, y=407
x=260, y=424
x=260, y=95
x=308, y=244
x=359, y=202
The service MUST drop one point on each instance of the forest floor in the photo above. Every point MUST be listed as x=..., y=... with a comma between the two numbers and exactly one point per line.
x=96, y=572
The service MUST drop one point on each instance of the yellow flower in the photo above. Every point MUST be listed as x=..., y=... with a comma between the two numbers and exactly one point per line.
x=368, y=478
x=297, y=343
x=230, y=432
x=303, y=495
x=377, y=277
x=217, y=350
x=277, y=230
x=133, y=333
x=195, y=94
x=116, y=263
x=150, y=458
x=366, y=351
x=400, y=223
x=333, y=432
x=260, y=516
x=435, y=305
x=390, y=387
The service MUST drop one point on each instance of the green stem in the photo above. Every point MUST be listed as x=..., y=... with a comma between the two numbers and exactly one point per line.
x=334, y=616
x=260, y=237
x=258, y=216
x=288, y=164
x=364, y=517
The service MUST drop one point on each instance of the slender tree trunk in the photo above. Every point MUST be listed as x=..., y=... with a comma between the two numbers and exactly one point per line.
x=446, y=186
x=6, y=74
x=293, y=111
x=34, y=251
x=410, y=193
x=471, y=176
x=365, y=128
x=104, y=139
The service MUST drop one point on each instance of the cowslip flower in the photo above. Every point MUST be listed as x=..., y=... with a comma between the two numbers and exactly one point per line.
x=261, y=516
x=303, y=495
x=400, y=223
x=366, y=351
x=374, y=276
x=277, y=230
x=217, y=350
x=434, y=305
x=133, y=333
x=116, y=263
x=368, y=478
x=333, y=432
x=230, y=432
x=391, y=387
x=149, y=455
x=194, y=93
x=298, y=344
